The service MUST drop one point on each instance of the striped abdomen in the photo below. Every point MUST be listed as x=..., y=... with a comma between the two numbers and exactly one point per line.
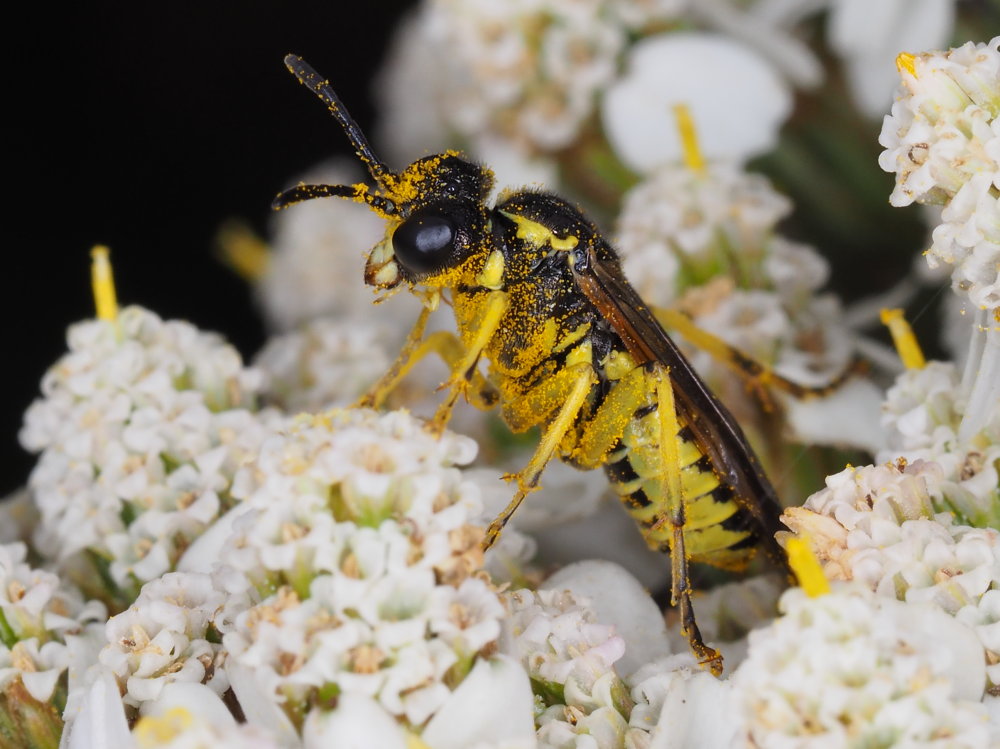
x=717, y=530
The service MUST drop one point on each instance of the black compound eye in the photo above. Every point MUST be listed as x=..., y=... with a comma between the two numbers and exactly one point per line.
x=425, y=241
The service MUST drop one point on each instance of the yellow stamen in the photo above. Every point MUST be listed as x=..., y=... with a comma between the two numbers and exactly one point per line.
x=693, y=158
x=103, y=284
x=903, y=338
x=156, y=731
x=806, y=567
x=415, y=742
x=243, y=251
x=904, y=63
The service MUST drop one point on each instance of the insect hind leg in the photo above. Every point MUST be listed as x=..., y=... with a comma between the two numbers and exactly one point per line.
x=757, y=375
x=680, y=588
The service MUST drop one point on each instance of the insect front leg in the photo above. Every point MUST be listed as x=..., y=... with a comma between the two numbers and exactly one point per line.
x=485, y=322
x=445, y=344
x=569, y=387
x=680, y=589
x=409, y=355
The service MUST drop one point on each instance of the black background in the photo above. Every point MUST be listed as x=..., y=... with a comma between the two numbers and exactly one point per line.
x=144, y=126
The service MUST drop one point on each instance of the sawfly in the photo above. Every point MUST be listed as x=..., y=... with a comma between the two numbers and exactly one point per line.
x=570, y=347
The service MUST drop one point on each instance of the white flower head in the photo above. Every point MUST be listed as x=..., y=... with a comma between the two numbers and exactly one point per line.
x=736, y=99
x=680, y=226
x=358, y=542
x=888, y=528
x=924, y=415
x=168, y=635
x=850, y=667
x=564, y=649
x=527, y=71
x=327, y=362
x=41, y=618
x=941, y=142
x=141, y=427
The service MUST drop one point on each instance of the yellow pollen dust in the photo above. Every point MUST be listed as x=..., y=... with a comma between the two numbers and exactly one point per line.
x=904, y=63
x=156, y=731
x=806, y=567
x=693, y=158
x=903, y=338
x=103, y=284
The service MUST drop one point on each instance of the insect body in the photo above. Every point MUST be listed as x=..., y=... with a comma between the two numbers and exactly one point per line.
x=539, y=295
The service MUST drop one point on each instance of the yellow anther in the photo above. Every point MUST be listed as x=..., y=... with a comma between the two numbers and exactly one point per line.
x=103, y=284
x=693, y=158
x=806, y=567
x=904, y=63
x=156, y=731
x=903, y=338
x=415, y=742
x=244, y=251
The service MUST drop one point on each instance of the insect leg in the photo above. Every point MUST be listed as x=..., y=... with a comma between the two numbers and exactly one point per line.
x=604, y=429
x=485, y=324
x=570, y=388
x=378, y=392
x=758, y=376
x=680, y=591
x=443, y=343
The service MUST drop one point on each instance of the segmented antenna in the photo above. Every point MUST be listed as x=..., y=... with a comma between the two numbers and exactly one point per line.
x=322, y=88
x=300, y=193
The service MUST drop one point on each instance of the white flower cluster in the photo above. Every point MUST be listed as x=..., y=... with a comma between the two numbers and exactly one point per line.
x=679, y=227
x=942, y=141
x=923, y=415
x=169, y=634
x=525, y=72
x=326, y=362
x=570, y=659
x=528, y=70
x=140, y=428
x=888, y=528
x=850, y=668
x=46, y=631
x=355, y=533
x=704, y=241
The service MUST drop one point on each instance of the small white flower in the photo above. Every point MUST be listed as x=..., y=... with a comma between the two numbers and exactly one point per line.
x=617, y=599
x=925, y=416
x=327, y=362
x=355, y=536
x=736, y=99
x=889, y=529
x=527, y=72
x=680, y=227
x=564, y=649
x=941, y=142
x=849, y=667
x=141, y=427
x=677, y=704
x=44, y=626
x=168, y=635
